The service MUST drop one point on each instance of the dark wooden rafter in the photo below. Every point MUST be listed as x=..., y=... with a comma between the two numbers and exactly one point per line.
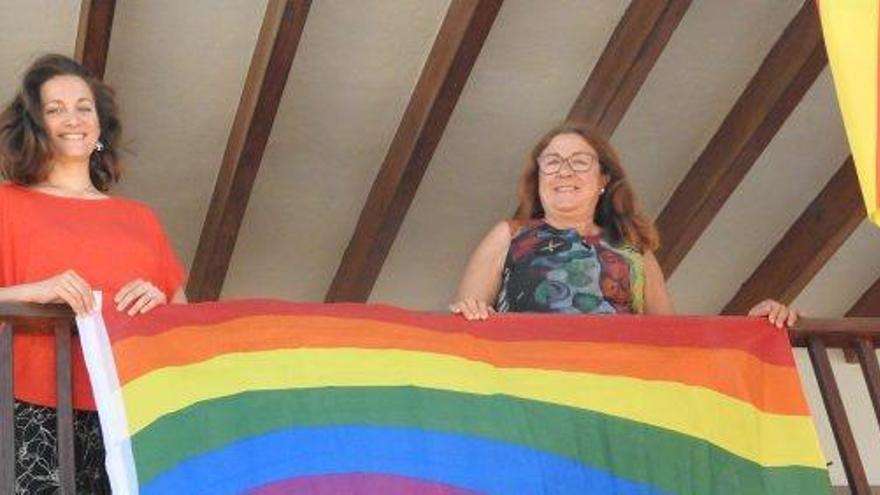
x=455, y=50
x=786, y=74
x=813, y=238
x=270, y=65
x=93, y=34
x=868, y=305
x=634, y=47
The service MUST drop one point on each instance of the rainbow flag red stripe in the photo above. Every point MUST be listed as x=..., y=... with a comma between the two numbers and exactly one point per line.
x=273, y=397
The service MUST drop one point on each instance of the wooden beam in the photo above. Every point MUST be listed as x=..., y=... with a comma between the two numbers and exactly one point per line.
x=868, y=305
x=787, y=72
x=634, y=47
x=93, y=34
x=270, y=65
x=813, y=238
x=461, y=37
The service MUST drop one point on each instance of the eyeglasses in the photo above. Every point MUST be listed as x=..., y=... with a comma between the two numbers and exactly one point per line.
x=579, y=163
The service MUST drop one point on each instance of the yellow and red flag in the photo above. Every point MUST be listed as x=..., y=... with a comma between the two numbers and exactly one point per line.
x=852, y=36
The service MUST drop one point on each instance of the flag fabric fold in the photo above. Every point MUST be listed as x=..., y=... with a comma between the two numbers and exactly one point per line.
x=851, y=29
x=265, y=397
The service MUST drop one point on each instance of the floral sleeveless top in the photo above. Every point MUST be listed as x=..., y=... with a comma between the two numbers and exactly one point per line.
x=550, y=270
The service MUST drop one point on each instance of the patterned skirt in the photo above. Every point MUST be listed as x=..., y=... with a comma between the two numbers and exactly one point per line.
x=36, y=460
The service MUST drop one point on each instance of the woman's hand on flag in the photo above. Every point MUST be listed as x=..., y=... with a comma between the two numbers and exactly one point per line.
x=66, y=287
x=777, y=313
x=139, y=296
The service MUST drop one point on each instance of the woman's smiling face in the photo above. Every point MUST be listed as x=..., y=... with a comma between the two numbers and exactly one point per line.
x=70, y=117
x=569, y=176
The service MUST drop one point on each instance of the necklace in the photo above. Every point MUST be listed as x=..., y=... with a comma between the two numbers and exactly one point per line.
x=67, y=192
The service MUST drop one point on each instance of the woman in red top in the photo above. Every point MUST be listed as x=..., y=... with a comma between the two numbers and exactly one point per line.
x=61, y=236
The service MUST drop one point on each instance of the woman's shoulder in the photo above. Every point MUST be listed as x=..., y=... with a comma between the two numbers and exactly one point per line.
x=498, y=238
x=13, y=195
x=136, y=207
x=8, y=189
x=516, y=226
x=130, y=203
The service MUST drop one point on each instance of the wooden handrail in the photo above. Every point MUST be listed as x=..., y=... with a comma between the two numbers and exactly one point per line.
x=8, y=309
x=835, y=332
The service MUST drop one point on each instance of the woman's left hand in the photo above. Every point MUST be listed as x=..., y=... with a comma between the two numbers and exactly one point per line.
x=139, y=296
x=779, y=314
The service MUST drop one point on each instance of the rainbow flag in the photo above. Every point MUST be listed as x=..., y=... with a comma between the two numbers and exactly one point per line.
x=270, y=397
x=852, y=35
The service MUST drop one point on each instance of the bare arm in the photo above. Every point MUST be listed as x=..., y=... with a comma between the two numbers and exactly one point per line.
x=66, y=287
x=657, y=300
x=15, y=293
x=482, y=276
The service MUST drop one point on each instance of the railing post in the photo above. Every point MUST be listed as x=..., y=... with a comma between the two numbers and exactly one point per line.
x=846, y=444
x=7, y=416
x=871, y=372
x=64, y=418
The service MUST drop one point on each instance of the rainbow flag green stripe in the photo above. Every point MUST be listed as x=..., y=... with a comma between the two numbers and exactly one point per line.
x=669, y=461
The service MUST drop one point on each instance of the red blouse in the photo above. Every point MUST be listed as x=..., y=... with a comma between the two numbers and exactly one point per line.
x=109, y=242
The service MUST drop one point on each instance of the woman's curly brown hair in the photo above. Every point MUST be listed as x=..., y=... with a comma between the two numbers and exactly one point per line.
x=617, y=213
x=25, y=152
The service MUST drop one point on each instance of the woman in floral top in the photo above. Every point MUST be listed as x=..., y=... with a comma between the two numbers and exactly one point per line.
x=577, y=244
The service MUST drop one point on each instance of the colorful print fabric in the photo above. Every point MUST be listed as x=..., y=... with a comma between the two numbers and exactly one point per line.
x=550, y=270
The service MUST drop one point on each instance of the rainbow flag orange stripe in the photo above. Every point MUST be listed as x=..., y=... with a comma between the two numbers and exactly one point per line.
x=852, y=39
x=269, y=396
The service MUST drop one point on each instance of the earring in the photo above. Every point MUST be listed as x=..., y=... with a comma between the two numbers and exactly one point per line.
x=99, y=146
x=602, y=191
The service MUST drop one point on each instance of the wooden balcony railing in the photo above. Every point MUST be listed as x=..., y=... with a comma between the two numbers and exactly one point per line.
x=55, y=318
x=863, y=335
x=816, y=335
